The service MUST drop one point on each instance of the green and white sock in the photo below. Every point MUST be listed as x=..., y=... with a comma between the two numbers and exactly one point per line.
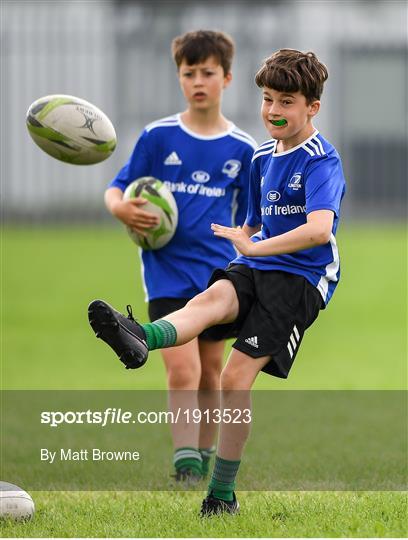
x=222, y=483
x=160, y=334
x=206, y=454
x=188, y=458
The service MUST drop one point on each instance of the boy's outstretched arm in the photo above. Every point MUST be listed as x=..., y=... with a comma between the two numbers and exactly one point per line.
x=315, y=232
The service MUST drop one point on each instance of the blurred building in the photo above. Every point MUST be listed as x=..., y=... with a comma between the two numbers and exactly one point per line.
x=116, y=54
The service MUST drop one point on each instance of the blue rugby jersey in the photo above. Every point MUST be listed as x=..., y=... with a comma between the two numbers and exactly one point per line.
x=209, y=178
x=284, y=188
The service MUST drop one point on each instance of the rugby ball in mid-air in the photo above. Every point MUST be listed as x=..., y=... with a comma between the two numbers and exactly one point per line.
x=160, y=201
x=71, y=129
x=15, y=503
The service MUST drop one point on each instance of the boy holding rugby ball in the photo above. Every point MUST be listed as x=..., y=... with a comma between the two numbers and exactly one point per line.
x=204, y=159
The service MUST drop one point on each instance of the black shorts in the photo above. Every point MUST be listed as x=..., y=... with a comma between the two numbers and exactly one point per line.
x=160, y=307
x=275, y=308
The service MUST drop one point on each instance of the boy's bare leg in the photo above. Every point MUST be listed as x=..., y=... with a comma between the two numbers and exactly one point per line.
x=132, y=341
x=216, y=305
x=211, y=356
x=183, y=377
x=183, y=369
x=237, y=379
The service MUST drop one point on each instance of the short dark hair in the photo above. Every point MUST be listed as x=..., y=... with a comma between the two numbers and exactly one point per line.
x=197, y=46
x=289, y=70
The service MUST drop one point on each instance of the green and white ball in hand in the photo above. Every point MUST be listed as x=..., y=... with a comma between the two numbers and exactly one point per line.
x=160, y=202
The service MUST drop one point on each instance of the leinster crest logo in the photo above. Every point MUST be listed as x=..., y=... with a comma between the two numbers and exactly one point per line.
x=296, y=181
x=231, y=168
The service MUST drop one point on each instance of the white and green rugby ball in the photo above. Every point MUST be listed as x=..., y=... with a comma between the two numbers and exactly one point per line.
x=71, y=129
x=15, y=503
x=160, y=201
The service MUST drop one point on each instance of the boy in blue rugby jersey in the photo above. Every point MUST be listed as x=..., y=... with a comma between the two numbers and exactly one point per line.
x=288, y=265
x=204, y=159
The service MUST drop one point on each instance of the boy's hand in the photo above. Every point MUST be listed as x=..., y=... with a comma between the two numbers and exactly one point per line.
x=237, y=236
x=131, y=214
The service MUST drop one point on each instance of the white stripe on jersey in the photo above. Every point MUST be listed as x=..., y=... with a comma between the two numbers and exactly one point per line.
x=264, y=152
x=308, y=150
x=167, y=124
x=142, y=272
x=331, y=270
x=234, y=206
x=163, y=122
x=319, y=142
x=245, y=136
x=315, y=147
x=251, y=142
x=266, y=143
x=171, y=118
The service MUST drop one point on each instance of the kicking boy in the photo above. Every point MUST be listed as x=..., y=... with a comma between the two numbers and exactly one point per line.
x=205, y=160
x=288, y=265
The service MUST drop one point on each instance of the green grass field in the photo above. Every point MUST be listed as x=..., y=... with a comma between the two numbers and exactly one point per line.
x=49, y=276
x=268, y=515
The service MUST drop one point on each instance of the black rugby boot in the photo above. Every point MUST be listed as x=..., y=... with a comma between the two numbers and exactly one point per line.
x=187, y=476
x=123, y=334
x=214, y=507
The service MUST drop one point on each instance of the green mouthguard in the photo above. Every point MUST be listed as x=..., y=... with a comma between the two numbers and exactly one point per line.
x=279, y=122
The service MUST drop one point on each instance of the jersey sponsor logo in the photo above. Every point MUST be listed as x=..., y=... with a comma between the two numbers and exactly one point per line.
x=273, y=196
x=282, y=210
x=173, y=159
x=295, y=182
x=231, y=168
x=201, y=177
x=195, y=189
x=253, y=341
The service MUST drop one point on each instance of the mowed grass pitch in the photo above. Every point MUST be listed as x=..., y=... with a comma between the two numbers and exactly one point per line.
x=50, y=275
x=142, y=514
x=48, y=278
